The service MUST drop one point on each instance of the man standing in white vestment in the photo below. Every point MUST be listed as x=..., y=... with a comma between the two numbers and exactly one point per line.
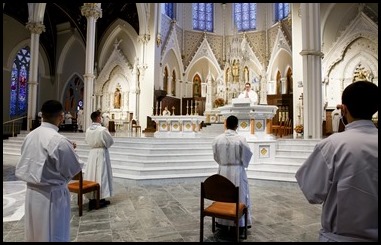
x=80, y=119
x=342, y=171
x=232, y=153
x=47, y=163
x=98, y=167
x=336, y=116
x=249, y=93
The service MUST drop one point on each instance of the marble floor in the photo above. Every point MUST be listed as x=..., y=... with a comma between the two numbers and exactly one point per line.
x=168, y=211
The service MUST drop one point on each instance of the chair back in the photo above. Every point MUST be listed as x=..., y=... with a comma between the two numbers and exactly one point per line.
x=76, y=185
x=219, y=188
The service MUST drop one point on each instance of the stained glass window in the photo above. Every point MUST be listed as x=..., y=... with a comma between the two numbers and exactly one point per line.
x=19, y=83
x=202, y=16
x=281, y=11
x=245, y=16
x=169, y=10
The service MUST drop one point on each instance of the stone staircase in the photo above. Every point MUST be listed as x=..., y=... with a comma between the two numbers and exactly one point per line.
x=289, y=155
x=149, y=158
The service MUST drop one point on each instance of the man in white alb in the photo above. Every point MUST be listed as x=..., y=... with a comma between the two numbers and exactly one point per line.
x=336, y=116
x=249, y=93
x=98, y=167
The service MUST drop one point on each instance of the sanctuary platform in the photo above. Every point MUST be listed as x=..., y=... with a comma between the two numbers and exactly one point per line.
x=142, y=158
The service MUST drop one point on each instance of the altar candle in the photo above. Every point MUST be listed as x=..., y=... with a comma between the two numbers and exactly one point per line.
x=187, y=103
x=191, y=103
x=160, y=105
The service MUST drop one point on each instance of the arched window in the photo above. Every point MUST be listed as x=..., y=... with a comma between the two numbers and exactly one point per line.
x=19, y=83
x=245, y=16
x=202, y=16
x=169, y=10
x=281, y=11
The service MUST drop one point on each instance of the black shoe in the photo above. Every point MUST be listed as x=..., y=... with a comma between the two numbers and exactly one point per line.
x=222, y=227
x=104, y=202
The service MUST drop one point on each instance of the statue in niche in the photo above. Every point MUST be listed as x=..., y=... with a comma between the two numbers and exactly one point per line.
x=235, y=71
x=117, y=98
x=361, y=74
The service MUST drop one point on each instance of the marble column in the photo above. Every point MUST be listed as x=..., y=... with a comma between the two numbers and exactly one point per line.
x=311, y=53
x=92, y=12
x=35, y=28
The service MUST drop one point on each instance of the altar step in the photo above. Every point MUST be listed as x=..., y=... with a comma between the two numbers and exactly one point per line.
x=140, y=158
x=289, y=156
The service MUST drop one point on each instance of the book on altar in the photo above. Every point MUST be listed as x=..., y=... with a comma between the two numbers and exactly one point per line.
x=241, y=102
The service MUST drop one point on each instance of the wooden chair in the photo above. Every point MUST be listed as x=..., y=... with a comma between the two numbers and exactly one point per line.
x=134, y=125
x=284, y=128
x=276, y=128
x=225, y=205
x=80, y=186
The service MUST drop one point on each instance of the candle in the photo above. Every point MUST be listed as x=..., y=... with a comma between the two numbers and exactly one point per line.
x=191, y=103
x=187, y=103
x=160, y=105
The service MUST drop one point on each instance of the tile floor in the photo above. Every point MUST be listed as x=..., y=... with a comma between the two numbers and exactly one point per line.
x=168, y=211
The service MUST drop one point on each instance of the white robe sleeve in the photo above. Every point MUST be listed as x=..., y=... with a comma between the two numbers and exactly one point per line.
x=246, y=153
x=107, y=139
x=315, y=177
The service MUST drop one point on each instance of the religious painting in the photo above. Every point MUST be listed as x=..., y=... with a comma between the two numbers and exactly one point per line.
x=196, y=86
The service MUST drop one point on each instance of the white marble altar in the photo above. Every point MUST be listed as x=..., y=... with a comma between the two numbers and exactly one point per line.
x=254, y=122
x=177, y=126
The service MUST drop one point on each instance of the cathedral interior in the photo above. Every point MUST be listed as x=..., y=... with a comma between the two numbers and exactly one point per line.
x=136, y=62
x=126, y=59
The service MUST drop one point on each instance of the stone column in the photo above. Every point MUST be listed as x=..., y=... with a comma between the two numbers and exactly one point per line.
x=35, y=28
x=92, y=12
x=311, y=53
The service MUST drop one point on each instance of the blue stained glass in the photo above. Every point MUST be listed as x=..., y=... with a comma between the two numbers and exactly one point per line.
x=245, y=16
x=169, y=10
x=281, y=10
x=19, y=83
x=14, y=89
x=202, y=16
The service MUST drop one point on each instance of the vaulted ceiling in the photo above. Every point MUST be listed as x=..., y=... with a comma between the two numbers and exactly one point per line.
x=70, y=12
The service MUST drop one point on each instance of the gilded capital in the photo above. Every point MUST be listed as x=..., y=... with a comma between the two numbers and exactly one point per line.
x=144, y=38
x=35, y=27
x=91, y=10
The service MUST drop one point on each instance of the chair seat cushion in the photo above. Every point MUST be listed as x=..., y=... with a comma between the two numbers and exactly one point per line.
x=224, y=209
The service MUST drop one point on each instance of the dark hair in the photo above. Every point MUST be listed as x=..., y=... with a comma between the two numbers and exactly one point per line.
x=361, y=99
x=51, y=109
x=95, y=115
x=248, y=84
x=232, y=122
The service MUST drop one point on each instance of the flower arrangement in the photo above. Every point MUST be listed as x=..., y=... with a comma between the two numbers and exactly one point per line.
x=299, y=128
x=219, y=102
